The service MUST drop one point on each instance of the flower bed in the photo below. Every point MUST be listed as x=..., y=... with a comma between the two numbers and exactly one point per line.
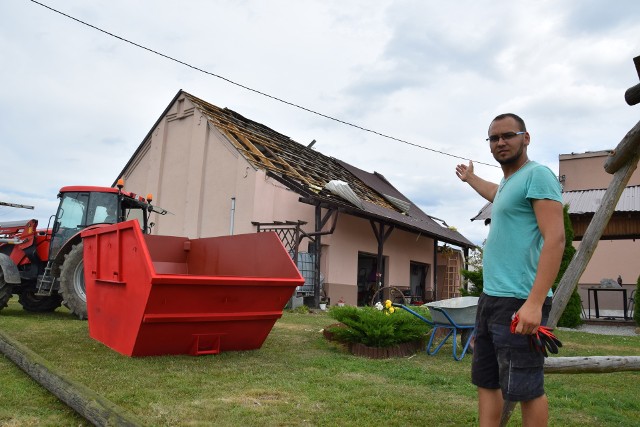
x=400, y=350
x=377, y=332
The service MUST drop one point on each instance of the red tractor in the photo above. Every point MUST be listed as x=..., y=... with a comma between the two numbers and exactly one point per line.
x=45, y=267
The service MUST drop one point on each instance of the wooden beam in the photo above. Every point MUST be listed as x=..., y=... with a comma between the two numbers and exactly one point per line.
x=625, y=150
x=632, y=95
x=86, y=402
x=593, y=364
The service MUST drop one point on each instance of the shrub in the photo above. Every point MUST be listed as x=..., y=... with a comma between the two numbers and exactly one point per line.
x=376, y=328
x=571, y=316
x=475, y=277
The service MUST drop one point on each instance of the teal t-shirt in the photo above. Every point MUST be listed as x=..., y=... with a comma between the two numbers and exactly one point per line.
x=512, y=250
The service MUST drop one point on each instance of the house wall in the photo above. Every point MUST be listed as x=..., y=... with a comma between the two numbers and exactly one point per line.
x=355, y=235
x=612, y=257
x=585, y=171
x=194, y=172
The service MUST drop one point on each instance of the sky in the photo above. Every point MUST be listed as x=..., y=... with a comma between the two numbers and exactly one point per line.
x=75, y=102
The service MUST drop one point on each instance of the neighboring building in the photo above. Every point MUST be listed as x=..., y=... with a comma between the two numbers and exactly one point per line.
x=220, y=173
x=584, y=182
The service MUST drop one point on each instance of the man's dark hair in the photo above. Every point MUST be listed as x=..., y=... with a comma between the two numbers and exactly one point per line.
x=515, y=117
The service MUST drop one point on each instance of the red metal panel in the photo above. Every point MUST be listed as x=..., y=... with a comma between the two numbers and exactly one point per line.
x=154, y=295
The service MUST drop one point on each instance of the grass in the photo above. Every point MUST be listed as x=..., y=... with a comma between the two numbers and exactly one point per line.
x=296, y=379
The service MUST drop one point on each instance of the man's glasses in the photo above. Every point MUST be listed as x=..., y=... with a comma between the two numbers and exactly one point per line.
x=505, y=136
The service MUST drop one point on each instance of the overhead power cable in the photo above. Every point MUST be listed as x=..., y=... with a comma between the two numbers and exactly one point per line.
x=255, y=90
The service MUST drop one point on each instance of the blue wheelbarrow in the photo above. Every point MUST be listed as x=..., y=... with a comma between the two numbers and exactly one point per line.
x=454, y=315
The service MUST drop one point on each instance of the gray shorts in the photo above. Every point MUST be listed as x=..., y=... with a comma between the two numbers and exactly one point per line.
x=502, y=360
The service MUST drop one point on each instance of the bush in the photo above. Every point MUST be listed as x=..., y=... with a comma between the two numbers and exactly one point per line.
x=572, y=314
x=475, y=277
x=375, y=328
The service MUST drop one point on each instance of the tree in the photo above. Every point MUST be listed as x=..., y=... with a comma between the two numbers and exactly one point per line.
x=571, y=316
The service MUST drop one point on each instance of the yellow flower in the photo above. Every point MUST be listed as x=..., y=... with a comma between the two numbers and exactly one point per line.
x=391, y=309
x=387, y=304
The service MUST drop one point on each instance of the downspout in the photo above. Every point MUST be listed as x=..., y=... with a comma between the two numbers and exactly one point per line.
x=233, y=214
x=465, y=265
x=380, y=262
x=317, y=245
x=316, y=237
x=435, y=269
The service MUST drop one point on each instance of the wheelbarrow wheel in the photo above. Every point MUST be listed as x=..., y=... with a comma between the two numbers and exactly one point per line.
x=388, y=293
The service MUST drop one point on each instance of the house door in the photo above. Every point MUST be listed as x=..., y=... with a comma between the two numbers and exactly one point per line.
x=417, y=280
x=367, y=267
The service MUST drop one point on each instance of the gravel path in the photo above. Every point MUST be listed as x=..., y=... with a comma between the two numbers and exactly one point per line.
x=605, y=330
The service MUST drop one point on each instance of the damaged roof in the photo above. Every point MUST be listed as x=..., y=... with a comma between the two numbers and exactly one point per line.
x=308, y=172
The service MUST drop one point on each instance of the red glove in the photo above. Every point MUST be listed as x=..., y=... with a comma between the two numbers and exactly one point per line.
x=540, y=341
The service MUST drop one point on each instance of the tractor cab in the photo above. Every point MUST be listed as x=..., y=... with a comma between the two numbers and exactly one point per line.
x=45, y=267
x=81, y=207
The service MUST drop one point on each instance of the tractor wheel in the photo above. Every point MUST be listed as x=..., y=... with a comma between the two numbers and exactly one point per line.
x=39, y=304
x=5, y=291
x=72, y=282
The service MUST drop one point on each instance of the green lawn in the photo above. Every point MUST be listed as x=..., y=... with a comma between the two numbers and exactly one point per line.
x=296, y=379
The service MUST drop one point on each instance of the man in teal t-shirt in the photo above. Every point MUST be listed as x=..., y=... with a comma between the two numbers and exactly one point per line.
x=521, y=260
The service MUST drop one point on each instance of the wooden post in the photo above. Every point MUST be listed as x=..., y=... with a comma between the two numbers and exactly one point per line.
x=95, y=408
x=624, y=150
x=632, y=95
x=592, y=364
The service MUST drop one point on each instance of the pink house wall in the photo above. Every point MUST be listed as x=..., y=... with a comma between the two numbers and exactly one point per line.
x=194, y=172
x=585, y=171
x=355, y=235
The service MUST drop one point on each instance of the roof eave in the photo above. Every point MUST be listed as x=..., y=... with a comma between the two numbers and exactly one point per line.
x=350, y=210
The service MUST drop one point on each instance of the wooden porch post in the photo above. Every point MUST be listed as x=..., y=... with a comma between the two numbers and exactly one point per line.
x=381, y=237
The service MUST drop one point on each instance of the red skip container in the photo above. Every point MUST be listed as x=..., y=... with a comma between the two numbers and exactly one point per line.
x=152, y=295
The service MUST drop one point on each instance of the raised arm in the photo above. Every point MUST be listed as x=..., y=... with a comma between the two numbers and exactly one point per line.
x=484, y=188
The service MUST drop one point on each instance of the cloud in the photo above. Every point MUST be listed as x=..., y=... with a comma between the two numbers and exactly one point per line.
x=76, y=103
